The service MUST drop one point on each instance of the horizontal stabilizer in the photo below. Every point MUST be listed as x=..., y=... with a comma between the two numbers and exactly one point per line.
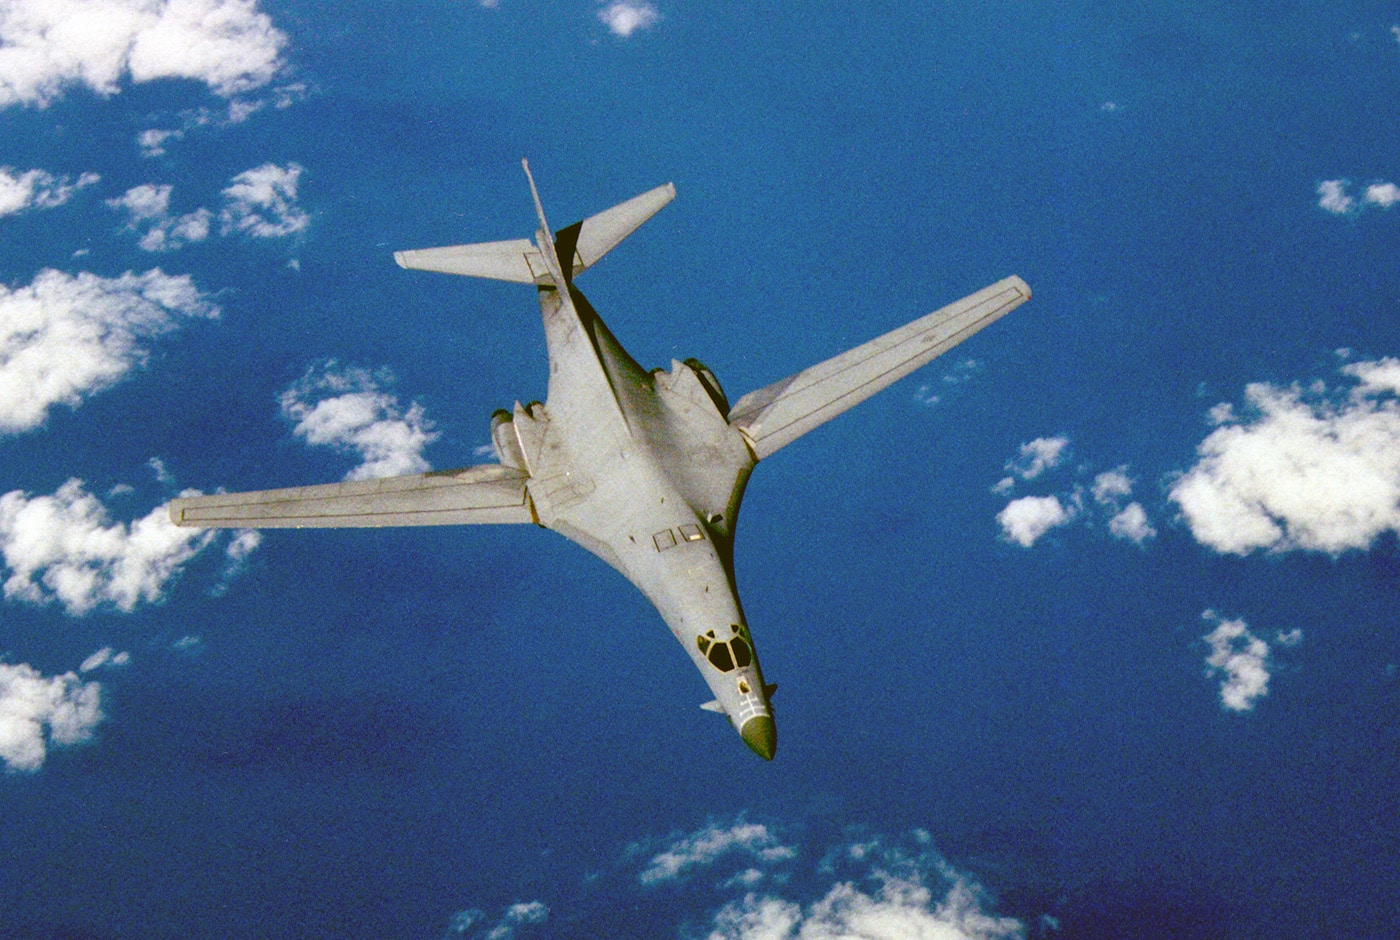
x=475, y=495
x=516, y=260
x=778, y=414
x=520, y=261
x=713, y=705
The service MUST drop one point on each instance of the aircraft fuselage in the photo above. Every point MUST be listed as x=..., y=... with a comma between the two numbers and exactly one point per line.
x=644, y=470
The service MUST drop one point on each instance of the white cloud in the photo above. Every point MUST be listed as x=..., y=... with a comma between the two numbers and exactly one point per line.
x=64, y=337
x=1131, y=523
x=515, y=916
x=37, y=189
x=1037, y=456
x=38, y=711
x=148, y=208
x=705, y=846
x=66, y=548
x=1128, y=520
x=1025, y=520
x=889, y=897
x=152, y=142
x=47, y=46
x=1289, y=638
x=625, y=17
x=1332, y=196
x=105, y=657
x=1307, y=470
x=345, y=408
x=261, y=202
x=1384, y=195
x=1240, y=660
x=530, y=912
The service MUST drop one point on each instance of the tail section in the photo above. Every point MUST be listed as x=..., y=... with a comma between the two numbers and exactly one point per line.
x=549, y=259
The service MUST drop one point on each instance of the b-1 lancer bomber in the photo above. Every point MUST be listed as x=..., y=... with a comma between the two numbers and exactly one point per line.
x=645, y=469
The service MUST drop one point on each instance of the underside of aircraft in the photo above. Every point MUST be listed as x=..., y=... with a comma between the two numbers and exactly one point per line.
x=646, y=469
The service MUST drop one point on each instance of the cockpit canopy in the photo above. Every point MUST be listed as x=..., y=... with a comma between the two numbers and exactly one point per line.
x=726, y=655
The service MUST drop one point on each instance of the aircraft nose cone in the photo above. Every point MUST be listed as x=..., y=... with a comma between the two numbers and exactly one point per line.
x=761, y=735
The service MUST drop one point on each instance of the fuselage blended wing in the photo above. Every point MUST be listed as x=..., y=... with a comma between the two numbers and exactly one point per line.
x=645, y=469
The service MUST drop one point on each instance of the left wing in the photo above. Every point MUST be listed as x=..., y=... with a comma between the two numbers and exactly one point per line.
x=778, y=414
x=488, y=493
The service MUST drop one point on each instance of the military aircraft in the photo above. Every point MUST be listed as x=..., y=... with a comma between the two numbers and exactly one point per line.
x=645, y=469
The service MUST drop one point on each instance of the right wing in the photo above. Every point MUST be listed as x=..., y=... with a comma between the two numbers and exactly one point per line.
x=778, y=414
x=488, y=493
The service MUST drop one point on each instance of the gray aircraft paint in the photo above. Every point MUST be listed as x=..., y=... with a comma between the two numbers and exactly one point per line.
x=644, y=469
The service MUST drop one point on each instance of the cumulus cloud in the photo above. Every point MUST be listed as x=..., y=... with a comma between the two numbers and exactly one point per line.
x=66, y=548
x=625, y=17
x=886, y=892
x=148, y=211
x=705, y=846
x=1128, y=520
x=1333, y=196
x=47, y=46
x=347, y=409
x=261, y=202
x=1305, y=469
x=1025, y=520
x=1037, y=456
x=1240, y=660
x=64, y=337
x=37, y=189
x=38, y=712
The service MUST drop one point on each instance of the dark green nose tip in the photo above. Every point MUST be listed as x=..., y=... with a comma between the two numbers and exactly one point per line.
x=761, y=735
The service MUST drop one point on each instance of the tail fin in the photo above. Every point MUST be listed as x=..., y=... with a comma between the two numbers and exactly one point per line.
x=578, y=246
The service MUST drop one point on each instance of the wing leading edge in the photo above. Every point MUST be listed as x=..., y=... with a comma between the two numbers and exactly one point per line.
x=484, y=494
x=778, y=414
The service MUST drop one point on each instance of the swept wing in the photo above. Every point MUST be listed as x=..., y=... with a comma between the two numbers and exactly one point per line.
x=488, y=493
x=778, y=414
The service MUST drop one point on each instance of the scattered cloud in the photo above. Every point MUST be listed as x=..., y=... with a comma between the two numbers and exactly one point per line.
x=705, y=846
x=1333, y=196
x=38, y=712
x=1025, y=520
x=152, y=142
x=625, y=17
x=1307, y=469
x=1128, y=520
x=47, y=46
x=66, y=548
x=470, y=922
x=931, y=393
x=1239, y=659
x=1037, y=456
x=64, y=337
x=346, y=408
x=148, y=211
x=105, y=657
x=883, y=891
x=37, y=189
x=261, y=202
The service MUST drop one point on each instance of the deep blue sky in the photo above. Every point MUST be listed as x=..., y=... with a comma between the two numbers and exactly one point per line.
x=1066, y=648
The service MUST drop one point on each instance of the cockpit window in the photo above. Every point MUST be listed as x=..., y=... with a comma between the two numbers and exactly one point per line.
x=720, y=658
x=742, y=656
x=726, y=655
